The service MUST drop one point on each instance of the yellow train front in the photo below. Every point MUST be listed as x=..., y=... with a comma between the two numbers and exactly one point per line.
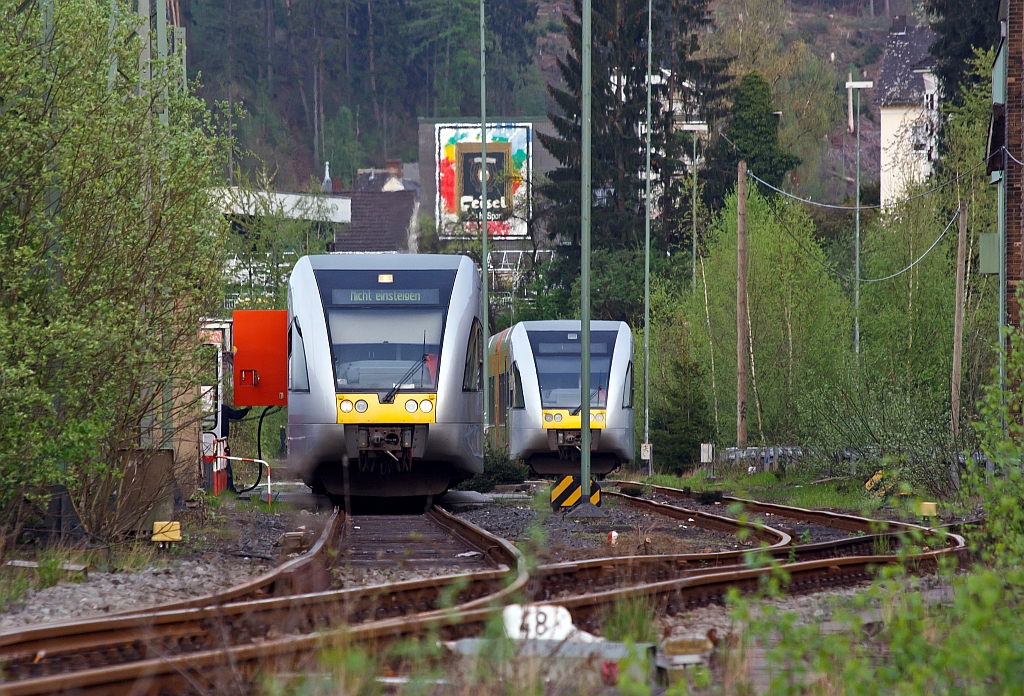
x=533, y=371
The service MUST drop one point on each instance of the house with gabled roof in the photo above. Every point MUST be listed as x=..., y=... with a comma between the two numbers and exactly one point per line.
x=907, y=95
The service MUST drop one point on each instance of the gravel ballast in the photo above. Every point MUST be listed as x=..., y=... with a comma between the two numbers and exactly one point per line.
x=234, y=544
x=105, y=593
x=638, y=532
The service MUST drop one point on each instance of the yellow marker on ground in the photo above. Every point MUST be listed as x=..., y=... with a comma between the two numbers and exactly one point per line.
x=164, y=532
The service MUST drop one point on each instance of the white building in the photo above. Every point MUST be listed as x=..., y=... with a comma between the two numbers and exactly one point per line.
x=907, y=95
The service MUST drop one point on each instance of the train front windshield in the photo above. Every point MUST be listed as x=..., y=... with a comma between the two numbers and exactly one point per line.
x=386, y=329
x=557, y=356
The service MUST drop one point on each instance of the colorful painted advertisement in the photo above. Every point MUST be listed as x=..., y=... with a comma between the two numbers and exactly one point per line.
x=460, y=173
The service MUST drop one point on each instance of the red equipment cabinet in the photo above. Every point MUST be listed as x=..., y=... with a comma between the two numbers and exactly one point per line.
x=261, y=357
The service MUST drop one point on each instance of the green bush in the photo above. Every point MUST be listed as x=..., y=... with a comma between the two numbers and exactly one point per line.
x=971, y=644
x=499, y=469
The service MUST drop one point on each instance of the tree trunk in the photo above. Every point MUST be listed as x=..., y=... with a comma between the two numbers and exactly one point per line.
x=373, y=69
x=296, y=71
x=316, y=115
x=741, y=308
x=231, y=93
x=958, y=321
x=320, y=85
x=268, y=6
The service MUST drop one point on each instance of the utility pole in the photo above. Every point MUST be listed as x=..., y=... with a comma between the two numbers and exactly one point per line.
x=741, y=307
x=694, y=128
x=850, y=86
x=693, y=219
x=958, y=320
x=585, y=508
x=646, y=447
x=585, y=258
x=485, y=312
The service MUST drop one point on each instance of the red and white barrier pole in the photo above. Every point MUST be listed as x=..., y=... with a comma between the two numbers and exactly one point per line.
x=257, y=461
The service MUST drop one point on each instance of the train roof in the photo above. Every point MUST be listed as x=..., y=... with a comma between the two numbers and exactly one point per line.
x=572, y=325
x=385, y=262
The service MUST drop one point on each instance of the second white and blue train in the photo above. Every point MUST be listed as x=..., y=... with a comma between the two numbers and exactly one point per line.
x=534, y=371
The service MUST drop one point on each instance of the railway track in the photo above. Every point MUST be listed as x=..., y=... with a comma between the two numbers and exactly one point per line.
x=222, y=642
x=177, y=644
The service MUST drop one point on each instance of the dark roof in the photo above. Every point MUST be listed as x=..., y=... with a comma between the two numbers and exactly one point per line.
x=375, y=180
x=380, y=221
x=906, y=57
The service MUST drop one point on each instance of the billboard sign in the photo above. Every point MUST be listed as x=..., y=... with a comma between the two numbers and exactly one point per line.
x=460, y=173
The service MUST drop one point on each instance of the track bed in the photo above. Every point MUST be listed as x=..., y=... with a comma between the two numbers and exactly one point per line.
x=640, y=532
x=802, y=532
x=392, y=548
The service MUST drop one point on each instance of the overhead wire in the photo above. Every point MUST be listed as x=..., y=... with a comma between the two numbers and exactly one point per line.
x=892, y=204
x=834, y=272
x=808, y=201
x=1010, y=155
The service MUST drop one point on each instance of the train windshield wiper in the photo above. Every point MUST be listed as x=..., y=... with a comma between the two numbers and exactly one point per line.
x=389, y=398
x=594, y=392
x=576, y=411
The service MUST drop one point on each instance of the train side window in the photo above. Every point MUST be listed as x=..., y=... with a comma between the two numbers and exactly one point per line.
x=472, y=378
x=298, y=378
x=491, y=419
x=518, y=400
x=627, y=388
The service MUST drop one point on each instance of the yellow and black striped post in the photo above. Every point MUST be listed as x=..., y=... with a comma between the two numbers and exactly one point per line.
x=567, y=492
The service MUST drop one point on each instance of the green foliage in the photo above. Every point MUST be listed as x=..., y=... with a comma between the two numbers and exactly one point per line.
x=499, y=469
x=111, y=258
x=758, y=37
x=962, y=27
x=619, y=107
x=1000, y=430
x=631, y=620
x=344, y=81
x=754, y=129
x=753, y=136
x=799, y=320
x=970, y=644
x=51, y=568
x=14, y=584
x=264, y=247
x=897, y=403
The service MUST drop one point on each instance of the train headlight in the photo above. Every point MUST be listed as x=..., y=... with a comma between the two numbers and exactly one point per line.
x=361, y=406
x=346, y=406
x=426, y=405
x=410, y=406
x=548, y=418
x=599, y=417
x=558, y=417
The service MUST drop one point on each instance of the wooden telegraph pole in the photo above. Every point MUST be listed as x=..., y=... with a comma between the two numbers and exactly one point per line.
x=741, y=307
x=958, y=320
